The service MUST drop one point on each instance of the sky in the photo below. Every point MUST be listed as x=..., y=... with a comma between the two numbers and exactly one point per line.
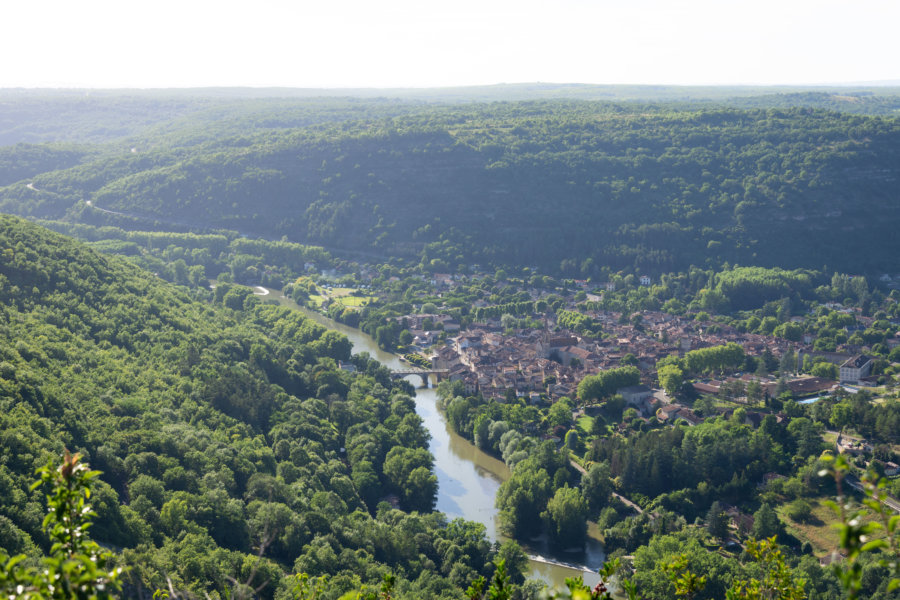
x=424, y=43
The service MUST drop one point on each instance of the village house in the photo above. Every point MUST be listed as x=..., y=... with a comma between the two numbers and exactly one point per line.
x=847, y=445
x=636, y=396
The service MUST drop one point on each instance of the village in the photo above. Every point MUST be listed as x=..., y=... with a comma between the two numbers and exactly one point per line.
x=542, y=365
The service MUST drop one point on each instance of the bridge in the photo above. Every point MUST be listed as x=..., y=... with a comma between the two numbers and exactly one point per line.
x=423, y=373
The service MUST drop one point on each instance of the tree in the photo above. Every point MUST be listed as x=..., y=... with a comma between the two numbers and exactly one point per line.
x=566, y=517
x=717, y=521
x=572, y=441
x=807, y=437
x=799, y=510
x=765, y=523
x=841, y=415
x=788, y=362
x=409, y=471
x=515, y=559
x=778, y=581
x=560, y=414
x=754, y=392
x=77, y=567
x=522, y=497
x=671, y=378
x=605, y=383
x=596, y=487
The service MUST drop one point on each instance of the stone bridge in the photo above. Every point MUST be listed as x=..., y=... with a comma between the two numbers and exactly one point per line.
x=423, y=373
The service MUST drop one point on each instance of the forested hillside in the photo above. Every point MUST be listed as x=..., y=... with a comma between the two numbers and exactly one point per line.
x=223, y=427
x=566, y=186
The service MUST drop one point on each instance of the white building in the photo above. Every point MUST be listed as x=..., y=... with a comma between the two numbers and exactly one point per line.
x=855, y=368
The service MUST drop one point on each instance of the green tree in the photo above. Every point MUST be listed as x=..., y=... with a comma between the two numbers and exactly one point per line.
x=765, y=522
x=717, y=521
x=778, y=582
x=566, y=517
x=671, y=378
x=596, y=487
x=76, y=566
x=605, y=383
x=560, y=414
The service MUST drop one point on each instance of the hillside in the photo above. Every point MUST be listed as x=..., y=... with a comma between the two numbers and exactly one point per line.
x=223, y=427
x=553, y=184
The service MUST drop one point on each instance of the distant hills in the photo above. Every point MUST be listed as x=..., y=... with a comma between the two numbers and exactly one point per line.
x=774, y=180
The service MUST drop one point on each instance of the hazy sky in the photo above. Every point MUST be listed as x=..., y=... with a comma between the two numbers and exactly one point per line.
x=418, y=43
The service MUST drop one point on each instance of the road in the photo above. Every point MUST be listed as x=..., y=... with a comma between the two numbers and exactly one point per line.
x=621, y=498
x=857, y=485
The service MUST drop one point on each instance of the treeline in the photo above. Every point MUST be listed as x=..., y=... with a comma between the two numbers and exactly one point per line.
x=578, y=322
x=231, y=446
x=192, y=258
x=605, y=383
x=729, y=456
x=751, y=287
x=715, y=359
x=510, y=308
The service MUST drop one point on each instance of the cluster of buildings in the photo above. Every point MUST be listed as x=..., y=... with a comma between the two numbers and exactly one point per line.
x=551, y=362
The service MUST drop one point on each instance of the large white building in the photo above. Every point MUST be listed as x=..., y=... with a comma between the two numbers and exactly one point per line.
x=855, y=368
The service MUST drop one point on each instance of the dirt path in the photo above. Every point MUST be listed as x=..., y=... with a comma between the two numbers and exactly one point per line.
x=622, y=498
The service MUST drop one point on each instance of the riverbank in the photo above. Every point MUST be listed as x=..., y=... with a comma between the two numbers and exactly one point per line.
x=468, y=478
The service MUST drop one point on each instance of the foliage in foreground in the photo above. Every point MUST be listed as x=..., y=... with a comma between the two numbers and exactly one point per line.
x=76, y=567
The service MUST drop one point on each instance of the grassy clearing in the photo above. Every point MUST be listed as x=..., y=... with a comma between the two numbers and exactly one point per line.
x=342, y=296
x=821, y=529
x=585, y=425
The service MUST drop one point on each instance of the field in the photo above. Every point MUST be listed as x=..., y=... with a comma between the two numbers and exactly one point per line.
x=820, y=530
x=344, y=296
x=585, y=425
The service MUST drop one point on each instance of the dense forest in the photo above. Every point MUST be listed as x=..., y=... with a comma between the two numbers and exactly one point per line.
x=231, y=445
x=565, y=185
x=241, y=444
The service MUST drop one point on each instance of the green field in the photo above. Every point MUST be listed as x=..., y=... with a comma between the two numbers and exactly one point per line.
x=344, y=296
x=821, y=530
x=585, y=425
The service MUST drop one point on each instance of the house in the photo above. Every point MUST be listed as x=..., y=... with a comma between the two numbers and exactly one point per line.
x=441, y=280
x=610, y=286
x=670, y=412
x=742, y=521
x=690, y=416
x=645, y=280
x=707, y=388
x=468, y=341
x=470, y=383
x=805, y=386
x=423, y=338
x=852, y=446
x=855, y=368
x=450, y=324
x=635, y=395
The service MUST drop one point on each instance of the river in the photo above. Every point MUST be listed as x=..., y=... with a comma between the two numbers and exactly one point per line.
x=468, y=478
